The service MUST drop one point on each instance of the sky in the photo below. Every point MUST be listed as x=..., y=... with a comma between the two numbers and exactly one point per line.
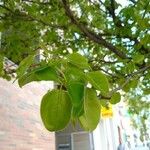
x=122, y=2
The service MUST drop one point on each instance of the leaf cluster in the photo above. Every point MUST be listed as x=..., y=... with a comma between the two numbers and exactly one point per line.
x=78, y=93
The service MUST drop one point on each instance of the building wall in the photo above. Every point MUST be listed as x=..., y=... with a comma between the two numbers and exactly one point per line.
x=20, y=123
x=106, y=134
x=74, y=138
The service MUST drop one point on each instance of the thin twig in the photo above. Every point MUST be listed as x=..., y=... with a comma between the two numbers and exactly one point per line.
x=130, y=76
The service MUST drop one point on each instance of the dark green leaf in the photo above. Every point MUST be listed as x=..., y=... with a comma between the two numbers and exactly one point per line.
x=56, y=110
x=46, y=73
x=146, y=91
x=77, y=111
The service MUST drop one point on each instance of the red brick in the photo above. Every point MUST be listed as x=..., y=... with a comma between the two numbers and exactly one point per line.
x=20, y=123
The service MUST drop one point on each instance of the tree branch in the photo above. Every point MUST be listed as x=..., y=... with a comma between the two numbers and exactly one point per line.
x=27, y=17
x=146, y=9
x=110, y=74
x=139, y=71
x=133, y=1
x=116, y=20
x=91, y=35
x=130, y=76
x=6, y=8
x=113, y=10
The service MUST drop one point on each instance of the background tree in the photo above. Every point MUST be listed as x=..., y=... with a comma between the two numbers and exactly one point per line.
x=113, y=39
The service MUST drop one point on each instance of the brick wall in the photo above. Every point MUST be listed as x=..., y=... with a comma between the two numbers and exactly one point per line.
x=20, y=123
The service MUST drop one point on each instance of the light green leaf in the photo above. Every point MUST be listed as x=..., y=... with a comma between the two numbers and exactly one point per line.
x=99, y=81
x=90, y=119
x=24, y=65
x=56, y=110
x=78, y=60
x=138, y=58
x=74, y=73
x=130, y=85
x=116, y=97
x=130, y=67
x=103, y=102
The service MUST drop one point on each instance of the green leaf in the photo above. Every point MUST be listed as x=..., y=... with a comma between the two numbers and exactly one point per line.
x=130, y=67
x=77, y=111
x=138, y=58
x=45, y=73
x=27, y=78
x=132, y=84
x=76, y=92
x=75, y=85
x=74, y=73
x=90, y=119
x=78, y=60
x=56, y=110
x=99, y=81
x=146, y=91
x=116, y=97
x=24, y=65
x=103, y=102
